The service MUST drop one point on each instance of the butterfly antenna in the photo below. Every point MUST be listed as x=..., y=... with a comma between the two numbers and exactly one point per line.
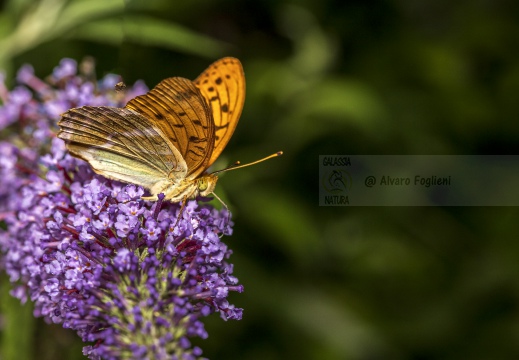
x=237, y=164
x=229, y=167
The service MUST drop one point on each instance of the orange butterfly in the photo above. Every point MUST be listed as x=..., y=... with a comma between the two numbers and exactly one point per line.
x=166, y=139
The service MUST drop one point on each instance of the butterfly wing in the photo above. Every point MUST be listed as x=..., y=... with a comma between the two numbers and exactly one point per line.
x=122, y=145
x=179, y=110
x=223, y=86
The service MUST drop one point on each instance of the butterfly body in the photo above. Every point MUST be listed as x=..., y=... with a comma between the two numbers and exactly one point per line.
x=185, y=189
x=166, y=139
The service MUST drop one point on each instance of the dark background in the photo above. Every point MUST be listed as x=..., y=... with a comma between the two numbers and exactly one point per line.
x=323, y=77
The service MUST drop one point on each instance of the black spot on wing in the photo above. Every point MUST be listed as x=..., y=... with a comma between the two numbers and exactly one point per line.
x=225, y=108
x=221, y=127
x=218, y=81
x=196, y=139
x=183, y=96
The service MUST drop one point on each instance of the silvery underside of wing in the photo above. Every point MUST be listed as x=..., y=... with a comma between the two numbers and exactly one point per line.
x=123, y=145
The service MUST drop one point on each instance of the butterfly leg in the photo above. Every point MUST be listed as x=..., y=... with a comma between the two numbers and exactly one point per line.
x=228, y=212
x=216, y=196
x=184, y=201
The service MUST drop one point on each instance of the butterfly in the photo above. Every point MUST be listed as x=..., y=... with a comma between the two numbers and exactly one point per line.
x=166, y=139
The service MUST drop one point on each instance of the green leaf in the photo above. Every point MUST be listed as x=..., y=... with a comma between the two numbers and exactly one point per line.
x=18, y=325
x=150, y=31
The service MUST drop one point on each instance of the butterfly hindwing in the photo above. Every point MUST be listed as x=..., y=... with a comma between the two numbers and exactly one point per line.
x=178, y=109
x=122, y=145
x=223, y=86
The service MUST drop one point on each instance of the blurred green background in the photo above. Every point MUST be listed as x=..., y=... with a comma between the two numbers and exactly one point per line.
x=323, y=77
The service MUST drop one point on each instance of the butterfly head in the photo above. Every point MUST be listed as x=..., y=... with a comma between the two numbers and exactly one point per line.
x=206, y=184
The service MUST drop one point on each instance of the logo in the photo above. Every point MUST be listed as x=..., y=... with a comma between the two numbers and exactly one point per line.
x=336, y=181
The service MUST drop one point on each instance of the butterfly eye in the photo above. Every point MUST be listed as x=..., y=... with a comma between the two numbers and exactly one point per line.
x=206, y=184
x=202, y=184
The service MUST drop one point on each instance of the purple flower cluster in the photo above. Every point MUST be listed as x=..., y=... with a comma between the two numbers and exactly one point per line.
x=132, y=277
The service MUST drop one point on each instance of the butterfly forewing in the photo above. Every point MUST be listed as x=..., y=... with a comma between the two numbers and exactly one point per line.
x=179, y=110
x=121, y=144
x=223, y=86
